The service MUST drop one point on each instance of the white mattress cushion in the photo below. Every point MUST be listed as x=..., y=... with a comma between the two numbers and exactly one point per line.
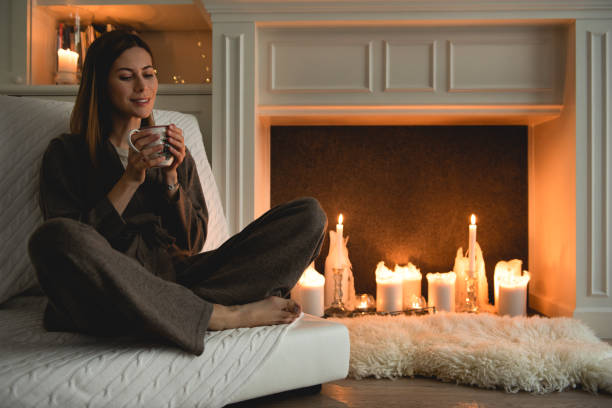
x=26, y=127
x=44, y=369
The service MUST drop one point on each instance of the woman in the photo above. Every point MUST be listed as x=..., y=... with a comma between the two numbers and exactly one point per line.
x=118, y=252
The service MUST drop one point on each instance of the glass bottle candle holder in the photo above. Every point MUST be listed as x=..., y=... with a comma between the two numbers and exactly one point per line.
x=337, y=307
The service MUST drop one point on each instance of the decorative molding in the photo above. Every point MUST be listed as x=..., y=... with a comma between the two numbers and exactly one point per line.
x=302, y=59
x=431, y=60
x=598, y=144
x=232, y=130
x=498, y=44
x=397, y=6
x=527, y=110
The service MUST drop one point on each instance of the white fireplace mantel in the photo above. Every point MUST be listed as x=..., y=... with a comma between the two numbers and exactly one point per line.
x=358, y=49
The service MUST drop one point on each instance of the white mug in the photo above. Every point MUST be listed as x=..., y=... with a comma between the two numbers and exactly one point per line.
x=162, y=132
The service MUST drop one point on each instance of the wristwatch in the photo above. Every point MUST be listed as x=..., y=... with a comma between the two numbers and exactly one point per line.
x=172, y=187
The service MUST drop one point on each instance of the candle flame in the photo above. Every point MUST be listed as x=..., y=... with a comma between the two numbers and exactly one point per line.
x=384, y=274
x=473, y=219
x=311, y=278
x=409, y=271
x=448, y=277
x=340, y=218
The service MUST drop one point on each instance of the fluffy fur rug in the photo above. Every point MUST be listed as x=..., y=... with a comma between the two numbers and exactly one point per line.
x=534, y=354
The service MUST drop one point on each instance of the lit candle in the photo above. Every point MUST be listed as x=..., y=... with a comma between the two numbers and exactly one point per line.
x=472, y=245
x=504, y=270
x=411, y=283
x=388, y=289
x=67, y=66
x=339, y=261
x=308, y=292
x=364, y=302
x=441, y=291
x=513, y=295
x=67, y=60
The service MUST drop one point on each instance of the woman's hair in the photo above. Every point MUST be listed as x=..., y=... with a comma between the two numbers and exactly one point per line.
x=91, y=115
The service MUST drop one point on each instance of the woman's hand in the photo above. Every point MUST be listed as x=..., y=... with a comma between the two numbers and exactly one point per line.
x=145, y=158
x=176, y=146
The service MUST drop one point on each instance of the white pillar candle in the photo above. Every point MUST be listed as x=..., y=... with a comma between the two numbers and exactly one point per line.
x=411, y=283
x=389, y=289
x=472, y=246
x=308, y=292
x=504, y=270
x=339, y=259
x=67, y=61
x=441, y=291
x=513, y=295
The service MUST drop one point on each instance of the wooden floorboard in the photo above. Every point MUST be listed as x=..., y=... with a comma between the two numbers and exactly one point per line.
x=424, y=393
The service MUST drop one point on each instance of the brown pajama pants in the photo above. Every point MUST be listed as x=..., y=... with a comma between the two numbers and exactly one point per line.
x=96, y=289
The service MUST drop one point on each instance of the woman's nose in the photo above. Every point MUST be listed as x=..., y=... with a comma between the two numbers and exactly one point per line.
x=139, y=84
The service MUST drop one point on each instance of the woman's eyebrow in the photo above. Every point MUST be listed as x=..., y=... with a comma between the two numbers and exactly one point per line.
x=131, y=70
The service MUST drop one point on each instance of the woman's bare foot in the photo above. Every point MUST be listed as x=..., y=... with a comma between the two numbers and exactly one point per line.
x=272, y=310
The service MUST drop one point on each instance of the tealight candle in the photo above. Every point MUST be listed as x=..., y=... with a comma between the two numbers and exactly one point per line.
x=441, y=291
x=389, y=289
x=364, y=303
x=513, y=295
x=308, y=292
x=503, y=270
x=411, y=283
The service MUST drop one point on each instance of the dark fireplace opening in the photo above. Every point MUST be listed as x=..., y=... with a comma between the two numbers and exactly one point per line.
x=407, y=192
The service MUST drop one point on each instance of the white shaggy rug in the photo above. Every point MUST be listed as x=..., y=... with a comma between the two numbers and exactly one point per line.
x=534, y=354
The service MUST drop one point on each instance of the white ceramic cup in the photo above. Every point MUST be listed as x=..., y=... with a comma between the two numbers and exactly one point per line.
x=163, y=135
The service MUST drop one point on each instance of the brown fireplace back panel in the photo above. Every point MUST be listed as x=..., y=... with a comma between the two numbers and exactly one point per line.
x=407, y=192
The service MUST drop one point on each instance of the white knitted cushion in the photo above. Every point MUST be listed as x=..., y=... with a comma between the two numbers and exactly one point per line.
x=26, y=127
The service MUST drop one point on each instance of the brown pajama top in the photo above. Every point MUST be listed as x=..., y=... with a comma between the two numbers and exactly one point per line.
x=153, y=230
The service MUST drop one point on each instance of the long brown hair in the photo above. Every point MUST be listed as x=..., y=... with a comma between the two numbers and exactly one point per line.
x=91, y=115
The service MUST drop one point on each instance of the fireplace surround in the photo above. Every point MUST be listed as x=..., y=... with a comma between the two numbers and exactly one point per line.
x=543, y=64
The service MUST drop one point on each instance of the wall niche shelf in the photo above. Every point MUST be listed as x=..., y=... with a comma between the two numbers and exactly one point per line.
x=179, y=33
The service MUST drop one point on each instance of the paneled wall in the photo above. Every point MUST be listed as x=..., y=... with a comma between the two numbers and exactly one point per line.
x=411, y=65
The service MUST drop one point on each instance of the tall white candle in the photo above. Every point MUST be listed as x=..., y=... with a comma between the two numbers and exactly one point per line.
x=441, y=291
x=389, y=289
x=472, y=245
x=513, y=295
x=504, y=270
x=411, y=283
x=308, y=292
x=339, y=261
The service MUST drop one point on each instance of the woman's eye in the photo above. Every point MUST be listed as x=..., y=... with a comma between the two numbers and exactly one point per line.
x=148, y=75
x=125, y=78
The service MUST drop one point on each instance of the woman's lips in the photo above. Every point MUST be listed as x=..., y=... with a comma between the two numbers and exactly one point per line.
x=141, y=101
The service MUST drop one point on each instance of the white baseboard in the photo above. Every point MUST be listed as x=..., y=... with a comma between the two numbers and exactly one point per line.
x=599, y=319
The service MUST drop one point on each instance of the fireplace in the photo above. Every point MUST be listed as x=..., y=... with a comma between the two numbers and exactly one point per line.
x=539, y=64
x=406, y=192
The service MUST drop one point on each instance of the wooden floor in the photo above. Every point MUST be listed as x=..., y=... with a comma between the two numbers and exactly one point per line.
x=425, y=393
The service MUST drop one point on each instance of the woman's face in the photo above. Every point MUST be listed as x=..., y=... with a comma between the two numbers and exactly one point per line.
x=132, y=84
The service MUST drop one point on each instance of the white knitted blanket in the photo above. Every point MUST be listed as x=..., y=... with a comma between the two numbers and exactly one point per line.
x=43, y=369
x=538, y=355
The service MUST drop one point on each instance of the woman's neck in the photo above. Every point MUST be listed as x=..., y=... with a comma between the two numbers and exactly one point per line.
x=120, y=129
